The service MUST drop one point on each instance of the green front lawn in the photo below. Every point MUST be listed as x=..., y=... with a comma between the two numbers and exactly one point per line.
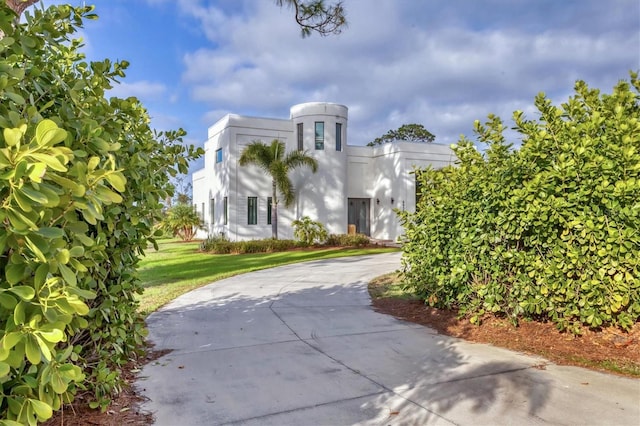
x=177, y=268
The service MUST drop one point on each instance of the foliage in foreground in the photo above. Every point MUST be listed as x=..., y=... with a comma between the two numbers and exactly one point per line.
x=549, y=231
x=81, y=177
x=181, y=221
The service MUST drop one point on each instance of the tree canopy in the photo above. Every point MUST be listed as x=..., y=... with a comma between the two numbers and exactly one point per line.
x=406, y=132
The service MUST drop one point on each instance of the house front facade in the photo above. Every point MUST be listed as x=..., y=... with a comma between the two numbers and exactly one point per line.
x=355, y=187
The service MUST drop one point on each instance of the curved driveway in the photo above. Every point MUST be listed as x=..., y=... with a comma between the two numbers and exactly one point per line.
x=300, y=345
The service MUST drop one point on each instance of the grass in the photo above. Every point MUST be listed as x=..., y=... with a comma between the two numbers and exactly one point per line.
x=177, y=268
x=389, y=285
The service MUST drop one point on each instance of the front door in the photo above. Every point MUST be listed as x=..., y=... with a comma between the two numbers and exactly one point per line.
x=358, y=214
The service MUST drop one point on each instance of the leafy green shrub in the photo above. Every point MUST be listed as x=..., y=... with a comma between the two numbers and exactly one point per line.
x=347, y=240
x=182, y=221
x=309, y=231
x=218, y=244
x=81, y=179
x=549, y=231
x=221, y=245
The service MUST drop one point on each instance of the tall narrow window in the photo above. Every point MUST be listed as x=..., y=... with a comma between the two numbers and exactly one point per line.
x=219, y=155
x=269, y=211
x=300, y=137
x=252, y=210
x=225, y=210
x=338, y=136
x=212, y=207
x=319, y=135
x=202, y=213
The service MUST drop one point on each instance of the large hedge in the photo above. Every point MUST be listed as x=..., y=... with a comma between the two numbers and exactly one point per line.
x=81, y=179
x=550, y=231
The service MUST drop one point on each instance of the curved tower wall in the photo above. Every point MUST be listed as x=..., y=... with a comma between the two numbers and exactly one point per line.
x=322, y=195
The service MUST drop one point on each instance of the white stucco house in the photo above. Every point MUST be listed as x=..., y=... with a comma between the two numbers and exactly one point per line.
x=357, y=185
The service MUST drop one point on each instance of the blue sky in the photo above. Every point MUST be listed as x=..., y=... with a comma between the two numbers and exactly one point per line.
x=442, y=64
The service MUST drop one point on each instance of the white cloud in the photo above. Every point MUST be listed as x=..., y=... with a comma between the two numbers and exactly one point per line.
x=402, y=61
x=144, y=90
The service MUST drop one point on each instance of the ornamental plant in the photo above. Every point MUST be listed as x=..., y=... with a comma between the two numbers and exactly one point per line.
x=309, y=231
x=550, y=231
x=81, y=180
x=182, y=221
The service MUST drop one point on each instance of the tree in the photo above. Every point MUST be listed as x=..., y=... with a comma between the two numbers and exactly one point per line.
x=182, y=221
x=81, y=180
x=316, y=16
x=273, y=161
x=406, y=132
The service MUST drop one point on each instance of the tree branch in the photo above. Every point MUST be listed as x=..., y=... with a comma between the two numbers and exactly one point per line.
x=315, y=16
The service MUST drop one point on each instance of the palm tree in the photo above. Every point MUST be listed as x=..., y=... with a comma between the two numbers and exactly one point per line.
x=274, y=162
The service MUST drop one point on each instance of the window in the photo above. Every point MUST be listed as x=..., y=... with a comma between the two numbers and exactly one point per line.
x=219, y=155
x=252, y=211
x=212, y=217
x=338, y=136
x=202, y=213
x=269, y=211
x=300, y=137
x=225, y=212
x=319, y=135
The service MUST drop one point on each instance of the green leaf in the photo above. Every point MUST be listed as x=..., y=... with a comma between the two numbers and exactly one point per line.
x=93, y=163
x=37, y=172
x=48, y=133
x=76, y=251
x=58, y=384
x=117, y=180
x=50, y=233
x=42, y=410
x=5, y=369
x=19, y=313
x=85, y=240
x=51, y=161
x=44, y=348
x=12, y=137
x=23, y=202
x=10, y=423
x=68, y=275
x=11, y=339
x=36, y=196
x=32, y=244
x=7, y=301
x=15, y=272
x=15, y=97
x=19, y=220
x=32, y=350
x=53, y=336
x=26, y=293
x=79, y=306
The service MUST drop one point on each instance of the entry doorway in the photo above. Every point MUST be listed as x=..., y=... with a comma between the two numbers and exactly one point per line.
x=359, y=213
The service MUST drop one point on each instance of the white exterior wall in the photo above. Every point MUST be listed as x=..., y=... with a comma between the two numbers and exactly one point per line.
x=372, y=174
x=321, y=196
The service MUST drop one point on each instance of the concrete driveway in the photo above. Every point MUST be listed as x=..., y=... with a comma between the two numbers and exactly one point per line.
x=300, y=345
